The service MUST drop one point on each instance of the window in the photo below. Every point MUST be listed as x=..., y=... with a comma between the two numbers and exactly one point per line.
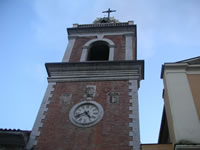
x=98, y=50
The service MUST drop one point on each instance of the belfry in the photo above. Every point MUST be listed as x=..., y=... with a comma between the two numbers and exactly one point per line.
x=91, y=102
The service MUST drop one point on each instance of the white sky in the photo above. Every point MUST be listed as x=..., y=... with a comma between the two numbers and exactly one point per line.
x=34, y=32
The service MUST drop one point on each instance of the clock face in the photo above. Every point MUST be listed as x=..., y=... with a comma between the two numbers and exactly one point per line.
x=86, y=114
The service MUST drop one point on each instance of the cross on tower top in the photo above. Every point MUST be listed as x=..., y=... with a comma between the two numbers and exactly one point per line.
x=109, y=11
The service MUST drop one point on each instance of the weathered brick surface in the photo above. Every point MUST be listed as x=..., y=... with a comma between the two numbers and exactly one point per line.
x=77, y=49
x=111, y=133
x=119, y=53
x=119, y=41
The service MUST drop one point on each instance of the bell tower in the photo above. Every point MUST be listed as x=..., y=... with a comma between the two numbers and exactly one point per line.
x=91, y=102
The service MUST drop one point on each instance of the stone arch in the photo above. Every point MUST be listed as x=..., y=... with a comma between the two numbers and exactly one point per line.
x=110, y=43
x=87, y=45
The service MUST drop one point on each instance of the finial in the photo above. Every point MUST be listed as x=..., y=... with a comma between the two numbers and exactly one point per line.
x=109, y=11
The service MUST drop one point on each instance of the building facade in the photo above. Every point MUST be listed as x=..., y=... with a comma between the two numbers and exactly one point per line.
x=91, y=102
x=181, y=117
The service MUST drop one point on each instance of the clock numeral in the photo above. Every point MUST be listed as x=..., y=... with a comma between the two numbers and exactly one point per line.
x=93, y=117
x=84, y=120
x=76, y=115
x=94, y=109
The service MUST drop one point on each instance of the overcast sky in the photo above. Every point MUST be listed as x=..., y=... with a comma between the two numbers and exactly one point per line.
x=34, y=32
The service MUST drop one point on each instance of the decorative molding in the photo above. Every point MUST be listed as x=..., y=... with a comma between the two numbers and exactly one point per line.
x=180, y=67
x=101, y=28
x=88, y=71
x=99, y=35
x=90, y=92
x=65, y=99
x=102, y=25
x=113, y=98
x=110, y=42
x=41, y=116
x=134, y=115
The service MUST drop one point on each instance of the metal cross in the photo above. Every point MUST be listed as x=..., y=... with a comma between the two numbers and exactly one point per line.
x=109, y=11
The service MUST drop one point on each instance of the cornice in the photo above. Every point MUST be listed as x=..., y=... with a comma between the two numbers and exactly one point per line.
x=91, y=71
x=101, y=27
x=180, y=67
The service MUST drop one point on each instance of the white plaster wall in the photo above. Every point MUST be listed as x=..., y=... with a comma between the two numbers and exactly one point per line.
x=185, y=120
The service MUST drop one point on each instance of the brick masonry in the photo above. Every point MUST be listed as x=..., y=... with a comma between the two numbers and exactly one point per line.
x=119, y=40
x=119, y=127
x=111, y=133
x=119, y=50
x=77, y=49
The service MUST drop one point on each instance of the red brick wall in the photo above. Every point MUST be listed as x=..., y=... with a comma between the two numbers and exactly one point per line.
x=119, y=41
x=111, y=133
x=77, y=49
x=119, y=52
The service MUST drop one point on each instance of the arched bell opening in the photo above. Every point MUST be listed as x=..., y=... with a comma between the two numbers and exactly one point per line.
x=98, y=51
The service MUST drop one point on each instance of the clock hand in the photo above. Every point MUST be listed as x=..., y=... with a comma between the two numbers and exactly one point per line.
x=78, y=115
x=87, y=114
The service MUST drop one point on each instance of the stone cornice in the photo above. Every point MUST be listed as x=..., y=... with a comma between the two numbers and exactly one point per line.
x=102, y=27
x=180, y=67
x=91, y=71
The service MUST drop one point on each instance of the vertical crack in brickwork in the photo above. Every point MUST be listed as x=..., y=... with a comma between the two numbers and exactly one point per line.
x=40, y=117
x=134, y=116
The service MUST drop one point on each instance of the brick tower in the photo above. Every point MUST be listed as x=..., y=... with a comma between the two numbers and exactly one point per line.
x=91, y=102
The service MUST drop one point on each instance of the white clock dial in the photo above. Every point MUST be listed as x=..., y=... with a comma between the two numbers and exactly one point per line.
x=86, y=113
